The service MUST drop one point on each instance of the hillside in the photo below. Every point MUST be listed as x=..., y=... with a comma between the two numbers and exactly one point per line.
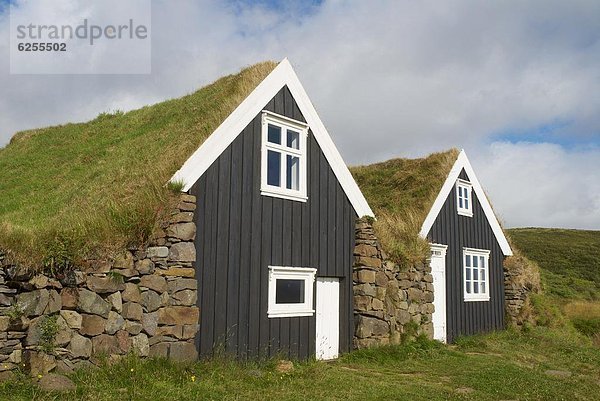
x=570, y=259
x=101, y=185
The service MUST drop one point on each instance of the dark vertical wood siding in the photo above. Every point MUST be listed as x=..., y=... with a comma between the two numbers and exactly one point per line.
x=241, y=233
x=465, y=318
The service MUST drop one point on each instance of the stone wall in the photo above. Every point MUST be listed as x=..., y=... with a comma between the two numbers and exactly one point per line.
x=387, y=298
x=521, y=280
x=143, y=302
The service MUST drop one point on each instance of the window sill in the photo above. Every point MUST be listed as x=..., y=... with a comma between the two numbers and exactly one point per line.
x=300, y=313
x=465, y=213
x=486, y=299
x=284, y=195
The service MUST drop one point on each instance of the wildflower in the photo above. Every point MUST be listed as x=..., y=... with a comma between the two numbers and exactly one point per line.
x=193, y=378
x=131, y=369
x=39, y=376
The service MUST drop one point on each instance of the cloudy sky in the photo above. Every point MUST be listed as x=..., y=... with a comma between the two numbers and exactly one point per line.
x=514, y=83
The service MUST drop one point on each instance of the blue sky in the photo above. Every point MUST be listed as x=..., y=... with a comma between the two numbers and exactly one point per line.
x=514, y=84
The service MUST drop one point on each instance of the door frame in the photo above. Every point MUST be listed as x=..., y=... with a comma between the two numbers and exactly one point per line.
x=439, y=316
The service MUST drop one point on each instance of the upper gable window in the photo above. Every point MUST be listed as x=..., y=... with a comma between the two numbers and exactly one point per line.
x=464, y=201
x=283, y=171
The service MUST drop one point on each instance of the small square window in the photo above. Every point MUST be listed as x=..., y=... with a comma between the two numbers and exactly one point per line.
x=291, y=291
x=463, y=198
x=476, y=274
x=274, y=134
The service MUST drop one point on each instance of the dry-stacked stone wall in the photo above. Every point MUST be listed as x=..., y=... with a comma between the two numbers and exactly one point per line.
x=143, y=302
x=521, y=280
x=390, y=303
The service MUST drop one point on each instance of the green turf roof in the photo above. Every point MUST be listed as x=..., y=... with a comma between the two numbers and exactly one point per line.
x=103, y=181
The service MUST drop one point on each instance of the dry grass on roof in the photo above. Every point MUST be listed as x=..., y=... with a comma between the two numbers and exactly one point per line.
x=401, y=192
x=87, y=187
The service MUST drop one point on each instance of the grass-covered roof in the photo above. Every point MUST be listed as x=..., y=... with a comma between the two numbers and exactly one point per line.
x=401, y=192
x=101, y=184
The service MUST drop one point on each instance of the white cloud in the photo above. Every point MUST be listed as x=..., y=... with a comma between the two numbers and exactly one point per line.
x=389, y=78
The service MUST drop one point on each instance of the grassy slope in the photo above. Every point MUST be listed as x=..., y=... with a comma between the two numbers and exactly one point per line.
x=498, y=366
x=102, y=181
x=401, y=192
x=570, y=259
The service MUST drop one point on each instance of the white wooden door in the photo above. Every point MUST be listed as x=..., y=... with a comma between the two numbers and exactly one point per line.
x=328, y=318
x=438, y=271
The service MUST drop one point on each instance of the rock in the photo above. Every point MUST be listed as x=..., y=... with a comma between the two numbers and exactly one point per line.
x=34, y=333
x=4, y=323
x=105, y=284
x=151, y=301
x=183, y=252
x=80, y=346
x=90, y=302
x=182, y=231
x=116, y=301
x=7, y=376
x=173, y=331
x=183, y=352
x=39, y=281
x=123, y=341
x=131, y=293
x=69, y=297
x=182, y=284
x=178, y=272
x=376, y=304
x=38, y=363
x=367, y=261
x=157, y=252
x=186, y=206
x=284, y=366
x=139, y=345
x=105, y=344
x=16, y=356
x=56, y=383
x=402, y=317
x=33, y=303
x=19, y=324
x=160, y=350
x=92, y=325
x=5, y=300
x=190, y=331
x=124, y=261
x=366, y=276
x=185, y=298
x=150, y=323
x=365, y=250
x=144, y=266
x=114, y=323
x=414, y=294
x=154, y=282
x=72, y=318
x=369, y=326
x=54, y=302
x=132, y=311
x=65, y=366
x=174, y=315
x=64, y=334
x=133, y=328
x=182, y=217
x=188, y=198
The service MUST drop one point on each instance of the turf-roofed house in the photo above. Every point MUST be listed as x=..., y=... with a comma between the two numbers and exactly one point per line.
x=438, y=201
x=276, y=215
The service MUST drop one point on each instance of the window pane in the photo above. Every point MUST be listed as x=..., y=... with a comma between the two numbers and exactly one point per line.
x=468, y=260
x=475, y=288
x=274, y=168
x=482, y=288
x=460, y=192
x=289, y=291
x=274, y=134
x=465, y=194
x=468, y=288
x=482, y=261
x=293, y=173
x=482, y=275
x=293, y=139
x=474, y=261
x=466, y=204
x=460, y=203
x=475, y=276
x=468, y=274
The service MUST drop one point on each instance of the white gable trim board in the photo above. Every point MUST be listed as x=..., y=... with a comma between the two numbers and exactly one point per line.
x=462, y=162
x=235, y=123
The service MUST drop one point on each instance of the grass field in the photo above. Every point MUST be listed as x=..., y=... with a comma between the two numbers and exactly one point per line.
x=498, y=366
x=570, y=260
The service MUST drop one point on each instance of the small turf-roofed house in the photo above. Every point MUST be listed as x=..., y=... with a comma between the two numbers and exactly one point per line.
x=276, y=210
x=440, y=199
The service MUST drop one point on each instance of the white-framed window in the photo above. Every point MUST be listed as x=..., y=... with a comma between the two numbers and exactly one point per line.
x=476, y=274
x=291, y=291
x=283, y=171
x=464, y=201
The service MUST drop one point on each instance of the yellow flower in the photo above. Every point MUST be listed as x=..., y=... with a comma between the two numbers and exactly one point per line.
x=39, y=376
x=132, y=369
x=193, y=378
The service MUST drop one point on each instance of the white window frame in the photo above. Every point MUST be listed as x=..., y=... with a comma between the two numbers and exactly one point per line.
x=466, y=186
x=476, y=253
x=291, y=273
x=284, y=123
